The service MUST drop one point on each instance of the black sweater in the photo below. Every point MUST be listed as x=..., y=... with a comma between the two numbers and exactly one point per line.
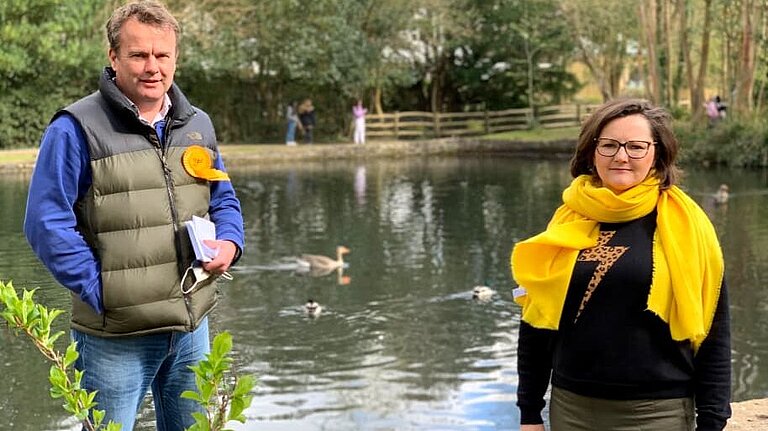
x=610, y=346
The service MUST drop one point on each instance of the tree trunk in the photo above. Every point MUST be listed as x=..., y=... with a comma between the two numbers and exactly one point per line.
x=685, y=48
x=377, y=93
x=669, y=100
x=597, y=73
x=648, y=24
x=763, y=36
x=729, y=60
x=697, y=99
x=746, y=76
x=600, y=73
x=615, y=66
x=529, y=57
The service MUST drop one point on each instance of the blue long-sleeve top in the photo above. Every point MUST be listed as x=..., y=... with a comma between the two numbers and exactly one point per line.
x=61, y=177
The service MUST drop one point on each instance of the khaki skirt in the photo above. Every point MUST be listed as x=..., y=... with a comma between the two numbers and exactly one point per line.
x=573, y=412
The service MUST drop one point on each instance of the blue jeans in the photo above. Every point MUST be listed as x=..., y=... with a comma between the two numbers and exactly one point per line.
x=290, y=136
x=123, y=369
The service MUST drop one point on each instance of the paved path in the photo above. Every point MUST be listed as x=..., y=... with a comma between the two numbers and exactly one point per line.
x=749, y=416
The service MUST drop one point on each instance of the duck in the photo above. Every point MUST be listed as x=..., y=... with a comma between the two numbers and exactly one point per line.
x=319, y=263
x=721, y=197
x=312, y=308
x=482, y=293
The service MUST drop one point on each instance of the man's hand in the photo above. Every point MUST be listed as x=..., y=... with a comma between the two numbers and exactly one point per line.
x=537, y=427
x=224, y=257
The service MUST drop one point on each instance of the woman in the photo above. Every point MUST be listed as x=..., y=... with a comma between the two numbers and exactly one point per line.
x=307, y=120
x=358, y=111
x=624, y=301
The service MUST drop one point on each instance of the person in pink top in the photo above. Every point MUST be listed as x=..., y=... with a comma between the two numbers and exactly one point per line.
x=359, y=113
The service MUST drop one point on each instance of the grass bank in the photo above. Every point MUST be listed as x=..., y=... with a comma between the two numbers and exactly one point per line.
x=536, y=135
x=22, y=156
x=22, y=159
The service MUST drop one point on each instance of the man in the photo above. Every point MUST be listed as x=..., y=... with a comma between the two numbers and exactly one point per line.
x=117, y=175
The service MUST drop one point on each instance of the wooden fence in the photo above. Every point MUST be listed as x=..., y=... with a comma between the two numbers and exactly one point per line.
x=417, y=124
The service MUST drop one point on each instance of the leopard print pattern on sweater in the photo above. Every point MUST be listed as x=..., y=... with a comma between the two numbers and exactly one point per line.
x=606, y=256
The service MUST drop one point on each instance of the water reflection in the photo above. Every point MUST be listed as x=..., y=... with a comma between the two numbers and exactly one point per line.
x=401, y=345
x=360, y=185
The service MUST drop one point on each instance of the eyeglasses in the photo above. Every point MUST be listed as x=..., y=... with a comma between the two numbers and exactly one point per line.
x=609, y=147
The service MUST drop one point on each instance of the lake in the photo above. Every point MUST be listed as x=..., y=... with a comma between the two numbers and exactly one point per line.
x=400, y=343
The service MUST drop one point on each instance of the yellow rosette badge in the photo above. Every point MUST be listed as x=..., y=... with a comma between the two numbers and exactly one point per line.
x=197, y=162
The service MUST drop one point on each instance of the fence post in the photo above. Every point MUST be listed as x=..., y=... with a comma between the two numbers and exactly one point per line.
x=487, y=122
x=534, y=117
x=436, y=124
x=578, y=114
x=397, y=125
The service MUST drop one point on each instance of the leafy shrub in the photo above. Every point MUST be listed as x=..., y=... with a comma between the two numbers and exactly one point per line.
x=223, y=395
x=739, y=142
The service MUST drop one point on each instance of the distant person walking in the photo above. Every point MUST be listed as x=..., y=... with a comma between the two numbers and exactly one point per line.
x=359, y=113
x=293, y=121
x=721, y=108
x=713, y=110
x=307, y=119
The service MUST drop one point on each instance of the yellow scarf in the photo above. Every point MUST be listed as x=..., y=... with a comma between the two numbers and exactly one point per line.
x=687, y=260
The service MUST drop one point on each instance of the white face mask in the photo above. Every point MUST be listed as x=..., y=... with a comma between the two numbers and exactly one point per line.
x=200, y=275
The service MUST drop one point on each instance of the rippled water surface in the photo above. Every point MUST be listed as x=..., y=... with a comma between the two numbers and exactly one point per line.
x=400, y=344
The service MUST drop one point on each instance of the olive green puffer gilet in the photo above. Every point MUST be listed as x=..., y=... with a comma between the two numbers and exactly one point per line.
x=133, y=216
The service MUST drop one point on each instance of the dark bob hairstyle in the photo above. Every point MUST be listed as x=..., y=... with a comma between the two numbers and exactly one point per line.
x=659, y=119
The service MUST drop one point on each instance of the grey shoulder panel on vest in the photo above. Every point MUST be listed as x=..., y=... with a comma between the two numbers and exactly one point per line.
x=108, y=134
x=97, y=119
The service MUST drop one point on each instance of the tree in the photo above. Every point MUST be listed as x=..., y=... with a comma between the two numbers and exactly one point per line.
x=606, y=35
x=516, y=55
x=744, y=86
x=51, y=53
x=435, y=32
x=384, y=25
x=542, y=32
x=697, y=86
x=276, y=51
x=649, y=29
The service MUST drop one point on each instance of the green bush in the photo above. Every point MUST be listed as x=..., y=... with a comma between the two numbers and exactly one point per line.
x=734, y=142
x=223, y=395
x=26, y=111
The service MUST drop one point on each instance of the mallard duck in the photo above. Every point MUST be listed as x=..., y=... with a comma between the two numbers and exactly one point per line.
x=722, y=194
x=482, y=293
x=312, y=308
x=318, y=263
